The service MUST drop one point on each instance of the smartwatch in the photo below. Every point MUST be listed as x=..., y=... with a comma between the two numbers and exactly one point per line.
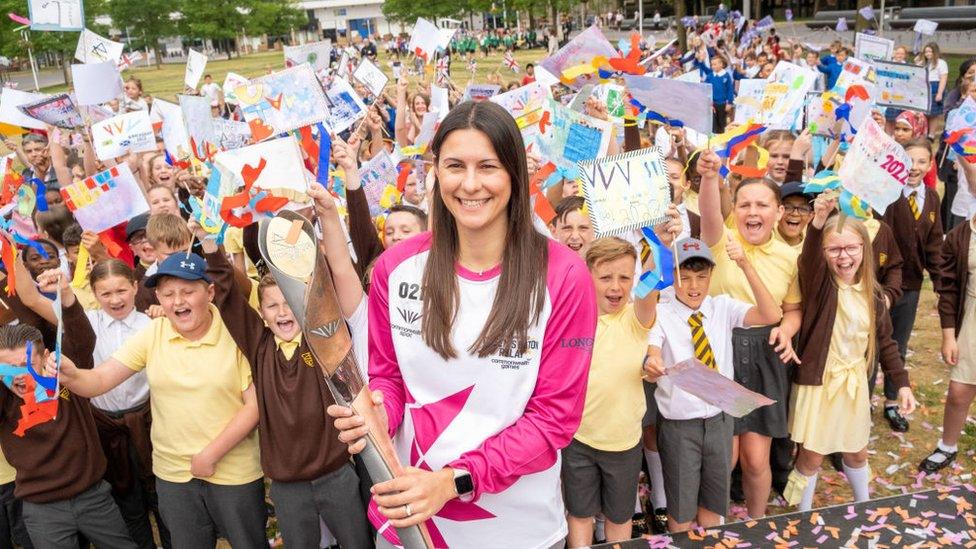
x=463, y=485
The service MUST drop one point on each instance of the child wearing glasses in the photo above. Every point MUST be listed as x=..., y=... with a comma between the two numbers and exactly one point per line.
x=839, y=338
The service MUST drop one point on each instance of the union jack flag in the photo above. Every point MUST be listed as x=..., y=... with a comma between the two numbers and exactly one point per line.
x=510, y=62
x=442, y=71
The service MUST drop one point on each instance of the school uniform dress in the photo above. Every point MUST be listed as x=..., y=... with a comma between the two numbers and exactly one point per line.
x=312, y=476
x=197, y=388
x=600, y=464
x=502, y=418
x=60, y=463
x=695, y=438
x=957, y=298
x=831, y=410
x=757, y=365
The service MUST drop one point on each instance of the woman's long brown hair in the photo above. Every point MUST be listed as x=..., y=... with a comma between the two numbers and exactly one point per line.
x=521, y=292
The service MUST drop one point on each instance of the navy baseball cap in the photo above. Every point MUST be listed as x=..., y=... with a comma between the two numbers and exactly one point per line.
x=794, y=188
x=180, y=265
x=136, y=224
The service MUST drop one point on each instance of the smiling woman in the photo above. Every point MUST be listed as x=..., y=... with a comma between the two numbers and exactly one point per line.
x=477, y=327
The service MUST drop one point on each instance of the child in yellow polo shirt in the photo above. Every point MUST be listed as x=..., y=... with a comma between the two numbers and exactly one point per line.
x=601, y=465
x=204, y=409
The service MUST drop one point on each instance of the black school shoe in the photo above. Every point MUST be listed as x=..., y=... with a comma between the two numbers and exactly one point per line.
x=659, y=521
x=896, y=420
x=929, y=466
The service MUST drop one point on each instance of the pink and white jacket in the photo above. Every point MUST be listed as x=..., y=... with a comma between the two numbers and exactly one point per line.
x=503, y=418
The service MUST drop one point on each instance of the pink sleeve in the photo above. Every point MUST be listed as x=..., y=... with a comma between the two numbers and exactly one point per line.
x=553, y=412
x=384, y=370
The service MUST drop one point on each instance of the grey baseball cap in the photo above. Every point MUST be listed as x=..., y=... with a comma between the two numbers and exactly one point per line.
x=690, y=248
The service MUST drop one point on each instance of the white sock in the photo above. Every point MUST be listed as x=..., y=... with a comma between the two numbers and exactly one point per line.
x=658, y=499
x=806, y=500
x=859, y=479
x=600, y=533
x=939, y=458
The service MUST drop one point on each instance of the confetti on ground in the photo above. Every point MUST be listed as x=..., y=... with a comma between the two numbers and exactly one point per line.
x=942, y=517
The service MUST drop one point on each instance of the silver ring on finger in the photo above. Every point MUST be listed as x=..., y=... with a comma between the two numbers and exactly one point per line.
x=406, y=508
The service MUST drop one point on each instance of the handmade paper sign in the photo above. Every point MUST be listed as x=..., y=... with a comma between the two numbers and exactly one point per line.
x=439, y=102
x=106, y=199
x=196, y=63
x=371, y=76
x=571, y=62
x=316, y=54
x=231, y=134
x=749, y=99
x=345, y=106
x=783, y=95
x=61, y=15
x=231, y=82
x=480, y=92
x=424, y=40
x=826, y=109
x=712, y=387
x=129, y=132
x=869, y=47
x=93, y=48
x=574, y=137
x=902, y=85
x=58, y=110
x=96, y=83
x=283, y=101
x=375, y=176
x=175, y=137
x=926, y=27
x=283, y=171
x=855, y=72
x=876, y=167
x=199, y=124
x=625, y=192
x=523, y=100
x=10, y=100
x=673, y=100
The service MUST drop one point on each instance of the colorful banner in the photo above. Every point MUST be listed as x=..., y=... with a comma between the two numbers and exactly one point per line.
x=120, y=135
x=875, y=168
x=283, y=101
x=902, y=85
x=106, y=199
x=625, y=192
x=685, y=102
x=579, y=52
x=58, y=110
x=316, y=54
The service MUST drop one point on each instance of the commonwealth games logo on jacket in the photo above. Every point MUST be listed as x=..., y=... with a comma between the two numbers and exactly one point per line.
x=408, y=316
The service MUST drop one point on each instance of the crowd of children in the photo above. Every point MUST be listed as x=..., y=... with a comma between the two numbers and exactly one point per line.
x=524, y=382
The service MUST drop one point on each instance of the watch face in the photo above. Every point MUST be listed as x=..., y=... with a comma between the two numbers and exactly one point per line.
x=463, y=484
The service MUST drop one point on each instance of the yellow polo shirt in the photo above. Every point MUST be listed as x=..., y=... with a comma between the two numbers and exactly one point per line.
x=7, y=472
x=197, y=388
x=615, y=404
x=775, y=261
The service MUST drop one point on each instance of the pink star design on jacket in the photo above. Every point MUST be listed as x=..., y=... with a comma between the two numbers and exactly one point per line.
x=429, y=421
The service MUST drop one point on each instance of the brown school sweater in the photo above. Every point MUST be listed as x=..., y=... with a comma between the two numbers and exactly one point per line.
x=920, y=242
x=62, y=458
x=817, y=287
x=298, y=440
x=362, y=232
x=954, y=276
x=887, y=262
